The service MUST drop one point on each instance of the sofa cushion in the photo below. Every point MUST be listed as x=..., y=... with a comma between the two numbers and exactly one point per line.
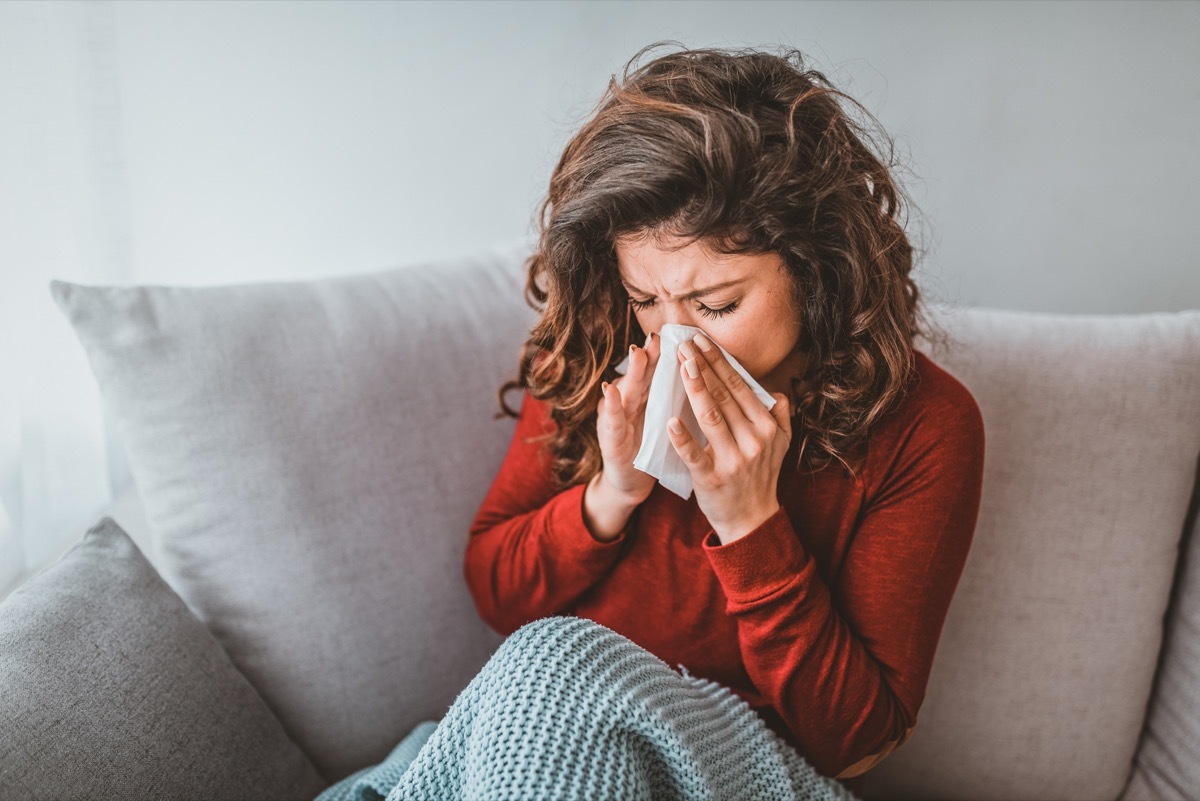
x=311, y=455
x=1168, y=760
x=1041, y=681
x=113, y=689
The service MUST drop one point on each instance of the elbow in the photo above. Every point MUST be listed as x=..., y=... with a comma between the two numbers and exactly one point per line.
x=893, y=727
x=864, y=764
x=492, y=613
x=500, y=625
x=861, y=750
x=482, y=586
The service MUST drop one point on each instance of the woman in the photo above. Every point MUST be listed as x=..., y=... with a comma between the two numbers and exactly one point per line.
x=727, y=191
x=731, y=192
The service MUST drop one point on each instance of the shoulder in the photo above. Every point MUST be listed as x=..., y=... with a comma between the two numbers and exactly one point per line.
x=937, y=425
x=938, y=399
x=536, y=417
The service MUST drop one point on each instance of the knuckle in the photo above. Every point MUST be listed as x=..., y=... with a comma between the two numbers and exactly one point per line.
x=711, y=415
x=734, y=381
x=720, y=394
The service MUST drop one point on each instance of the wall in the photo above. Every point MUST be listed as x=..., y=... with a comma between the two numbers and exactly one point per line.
x=1050, y=147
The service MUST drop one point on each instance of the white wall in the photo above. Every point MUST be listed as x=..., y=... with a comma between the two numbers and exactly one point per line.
x=1052, y=145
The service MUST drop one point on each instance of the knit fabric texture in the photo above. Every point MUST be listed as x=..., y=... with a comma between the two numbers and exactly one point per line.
x=567, y=708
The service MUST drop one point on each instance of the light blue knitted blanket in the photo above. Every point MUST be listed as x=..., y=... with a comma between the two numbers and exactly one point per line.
x=569, y=709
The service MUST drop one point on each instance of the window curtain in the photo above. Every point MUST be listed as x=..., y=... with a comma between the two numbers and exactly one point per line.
x=63, y=214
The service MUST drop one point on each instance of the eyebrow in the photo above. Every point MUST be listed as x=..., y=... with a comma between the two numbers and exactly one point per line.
x=695, y=294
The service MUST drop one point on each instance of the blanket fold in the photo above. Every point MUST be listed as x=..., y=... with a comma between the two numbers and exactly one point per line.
x=569, y=709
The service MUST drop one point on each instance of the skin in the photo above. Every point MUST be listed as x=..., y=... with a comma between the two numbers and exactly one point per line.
x=736, y=474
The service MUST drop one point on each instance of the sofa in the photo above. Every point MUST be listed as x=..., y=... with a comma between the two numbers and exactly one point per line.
x=279, y=598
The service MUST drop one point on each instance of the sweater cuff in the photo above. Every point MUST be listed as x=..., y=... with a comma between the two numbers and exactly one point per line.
x=758, y=564
x=570, y=532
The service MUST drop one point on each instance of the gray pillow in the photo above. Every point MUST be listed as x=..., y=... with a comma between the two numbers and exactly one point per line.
x=310, y=455
x=113, y=689
x=1168, y=759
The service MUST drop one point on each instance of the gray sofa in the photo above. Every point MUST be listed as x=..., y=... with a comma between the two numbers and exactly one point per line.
x=281, y=599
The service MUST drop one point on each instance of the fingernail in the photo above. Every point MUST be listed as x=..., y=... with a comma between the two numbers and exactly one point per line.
x=687, y=349
x=702, y=341
x=692, y=369
x=632, y=348
x=673, y=424
x=649, y=339
x=604, y=386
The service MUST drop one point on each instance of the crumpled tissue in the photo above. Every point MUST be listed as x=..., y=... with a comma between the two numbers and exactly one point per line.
x=668, y=398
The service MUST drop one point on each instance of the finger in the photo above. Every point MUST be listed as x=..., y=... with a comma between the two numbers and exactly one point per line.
x=707, y=410
x=631, y=385
x=698, y=460
x=753, y=408
x=782, y=413
x=653, y=350
x=647, y=359
x=632, y=391
x=639, y=413
x=743, y=429
x=616, y=384
x=612, y=415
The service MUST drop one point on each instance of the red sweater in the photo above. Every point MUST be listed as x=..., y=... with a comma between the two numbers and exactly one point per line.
x=825, y=618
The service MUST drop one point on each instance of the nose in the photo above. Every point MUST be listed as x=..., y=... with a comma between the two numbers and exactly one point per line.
x=675, y=313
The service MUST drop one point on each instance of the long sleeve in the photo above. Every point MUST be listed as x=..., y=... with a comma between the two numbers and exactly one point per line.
x=847, y=670
x=530, y=554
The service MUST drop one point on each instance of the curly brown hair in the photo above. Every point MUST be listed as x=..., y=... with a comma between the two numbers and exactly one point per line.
x=746, y=151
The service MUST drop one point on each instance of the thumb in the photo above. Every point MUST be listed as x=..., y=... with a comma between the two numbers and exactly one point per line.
x=782, y=412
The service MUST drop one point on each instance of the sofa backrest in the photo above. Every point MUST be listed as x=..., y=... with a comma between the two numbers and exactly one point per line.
x=1047, y=658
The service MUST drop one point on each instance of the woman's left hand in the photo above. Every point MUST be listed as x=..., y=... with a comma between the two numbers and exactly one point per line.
x=736, y=474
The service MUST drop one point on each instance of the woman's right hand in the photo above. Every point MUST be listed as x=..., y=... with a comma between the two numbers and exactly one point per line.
x=620, y=417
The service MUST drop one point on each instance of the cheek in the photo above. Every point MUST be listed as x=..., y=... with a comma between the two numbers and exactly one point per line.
x=746, y=351
x=646, y=321
x=739, y=339
x=759, y=343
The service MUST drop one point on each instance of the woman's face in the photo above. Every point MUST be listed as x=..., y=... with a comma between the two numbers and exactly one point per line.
x=743, y=303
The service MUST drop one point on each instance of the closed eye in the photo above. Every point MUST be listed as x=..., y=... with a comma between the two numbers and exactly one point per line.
x=707, y=311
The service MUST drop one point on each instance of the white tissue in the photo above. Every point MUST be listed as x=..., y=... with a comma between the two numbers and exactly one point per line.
x=668, y=399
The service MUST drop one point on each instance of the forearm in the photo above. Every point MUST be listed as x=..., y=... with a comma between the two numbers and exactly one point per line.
x=833, y=695
x=800, y=655
x=524, y=566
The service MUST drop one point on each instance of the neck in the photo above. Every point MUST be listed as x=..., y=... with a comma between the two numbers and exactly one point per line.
x=780, y=378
